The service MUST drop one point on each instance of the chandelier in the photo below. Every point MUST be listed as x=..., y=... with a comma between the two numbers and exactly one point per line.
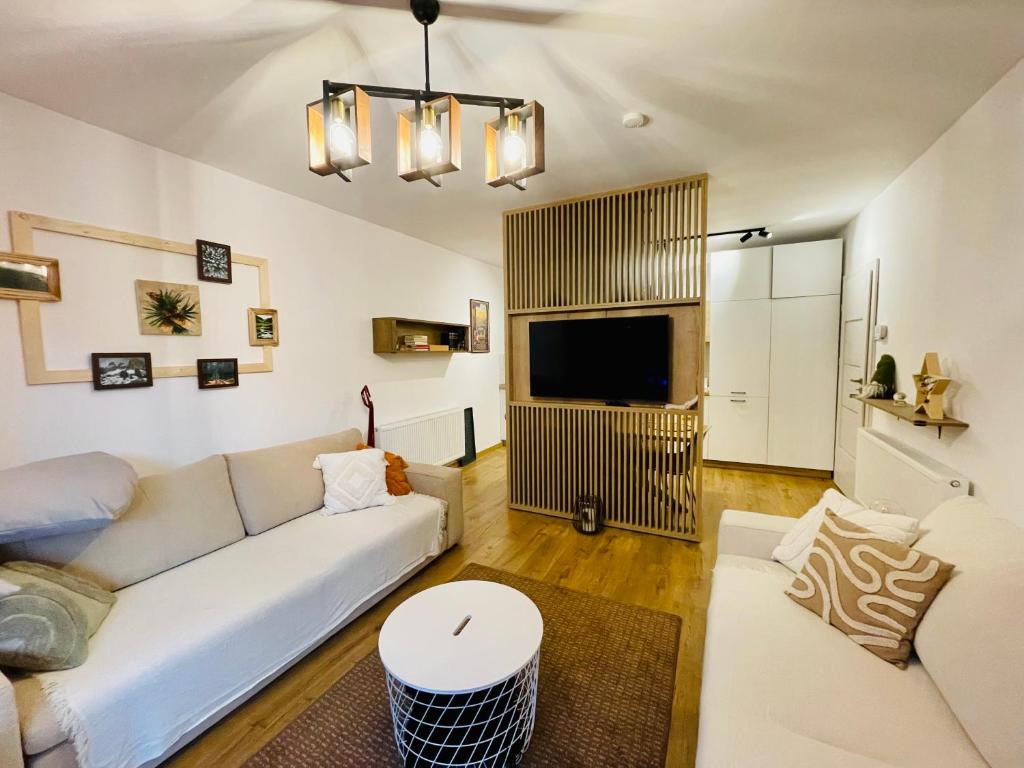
x=429, y=133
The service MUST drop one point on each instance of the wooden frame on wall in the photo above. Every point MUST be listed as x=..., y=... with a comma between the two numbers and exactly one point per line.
x=23, y=226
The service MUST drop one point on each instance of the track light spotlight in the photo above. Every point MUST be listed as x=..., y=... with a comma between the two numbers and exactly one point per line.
x=746, y=236
x=764, y=233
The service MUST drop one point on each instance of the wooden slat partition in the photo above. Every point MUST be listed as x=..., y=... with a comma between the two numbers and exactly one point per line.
x=639, y=461
x=640, y=250
x=640, y=246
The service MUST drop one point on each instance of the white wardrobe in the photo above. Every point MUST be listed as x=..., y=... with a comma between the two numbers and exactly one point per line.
x=773, y=354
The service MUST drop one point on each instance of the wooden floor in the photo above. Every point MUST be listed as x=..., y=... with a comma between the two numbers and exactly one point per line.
x=637, y=568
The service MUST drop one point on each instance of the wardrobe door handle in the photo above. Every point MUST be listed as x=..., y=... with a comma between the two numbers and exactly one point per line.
x=737, y=401
x=857, y=381
x=737, y=393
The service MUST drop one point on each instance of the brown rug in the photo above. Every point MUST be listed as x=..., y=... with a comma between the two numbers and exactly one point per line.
x=607, y=675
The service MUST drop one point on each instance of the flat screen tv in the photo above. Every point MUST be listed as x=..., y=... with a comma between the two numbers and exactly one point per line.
x=615, y=359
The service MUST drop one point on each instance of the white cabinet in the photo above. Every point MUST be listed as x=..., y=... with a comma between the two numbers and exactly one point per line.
x=807, y=269
x=740, y=347
x=740, y=275
x=773, y=354
x=738, y=428
x=802, y=406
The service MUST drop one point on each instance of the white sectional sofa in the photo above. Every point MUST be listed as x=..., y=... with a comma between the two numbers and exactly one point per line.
x=226, y=574
x=783, y=690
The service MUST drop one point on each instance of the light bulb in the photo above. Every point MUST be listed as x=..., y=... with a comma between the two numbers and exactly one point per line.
x=343, y=140
x=513, y=150
x=431, y=145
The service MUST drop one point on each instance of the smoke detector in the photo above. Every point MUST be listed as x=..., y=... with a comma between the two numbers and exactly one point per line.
x=635, y=120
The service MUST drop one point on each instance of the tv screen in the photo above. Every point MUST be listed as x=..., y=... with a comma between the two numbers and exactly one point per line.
x=611, y=359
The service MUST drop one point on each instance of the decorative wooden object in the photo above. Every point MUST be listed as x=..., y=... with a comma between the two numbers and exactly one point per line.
x=910, y=414
x=22, y=227
x=52, y=281
x=388, y=333
x=446, y=116
x=931, y=387
x=633, y=251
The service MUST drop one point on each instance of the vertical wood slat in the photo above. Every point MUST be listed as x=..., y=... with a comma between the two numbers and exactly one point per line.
x=634, y=459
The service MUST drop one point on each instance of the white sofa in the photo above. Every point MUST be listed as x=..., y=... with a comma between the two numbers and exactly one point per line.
x=782, y=689
x=226, y=575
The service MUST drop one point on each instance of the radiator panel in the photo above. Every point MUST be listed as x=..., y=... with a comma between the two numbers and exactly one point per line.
x=435, y=438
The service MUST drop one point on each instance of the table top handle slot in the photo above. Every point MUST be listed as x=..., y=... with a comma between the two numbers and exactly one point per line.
x=462, y=626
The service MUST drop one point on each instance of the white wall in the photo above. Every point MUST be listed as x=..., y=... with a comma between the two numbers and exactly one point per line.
x=949, y=235
x=329, y=274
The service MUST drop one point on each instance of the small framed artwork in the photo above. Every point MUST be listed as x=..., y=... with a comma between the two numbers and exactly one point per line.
x=29, y=277
x=479, y=326
x=217, y=372
x=168, y=309
x=121, y=370
x=263, y=327
x=213, y=261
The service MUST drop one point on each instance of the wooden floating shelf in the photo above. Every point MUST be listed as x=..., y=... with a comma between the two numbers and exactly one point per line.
x=388, y=333
x=907, y=413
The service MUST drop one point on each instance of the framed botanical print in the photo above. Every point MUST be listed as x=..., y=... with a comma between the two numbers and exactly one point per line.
x=479, y=326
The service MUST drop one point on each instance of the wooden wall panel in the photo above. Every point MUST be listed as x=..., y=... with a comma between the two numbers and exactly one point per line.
x=640, y=462
x=630, y=252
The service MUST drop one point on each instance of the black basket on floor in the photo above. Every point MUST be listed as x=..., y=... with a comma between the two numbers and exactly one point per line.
x=588, y=515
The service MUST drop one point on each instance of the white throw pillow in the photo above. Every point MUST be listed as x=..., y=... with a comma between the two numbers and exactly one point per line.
x=792, y=551
x=353, y=480
x=896, y=528
x=795, y=546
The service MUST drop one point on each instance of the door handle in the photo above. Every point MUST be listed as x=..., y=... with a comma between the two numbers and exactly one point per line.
x=857, y=381
x=737, y=393
x=737, y=401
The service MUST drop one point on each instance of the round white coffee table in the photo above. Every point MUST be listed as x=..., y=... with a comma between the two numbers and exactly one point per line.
x=461, y=661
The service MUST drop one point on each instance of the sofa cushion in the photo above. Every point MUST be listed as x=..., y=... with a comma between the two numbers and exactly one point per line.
x=175, y=517
x=781, y=691
x=180, y=647
x=277, y=484
x=39, y=727
x=970, y=640
x=62, y=495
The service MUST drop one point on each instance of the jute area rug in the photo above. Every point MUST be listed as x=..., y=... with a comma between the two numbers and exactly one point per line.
x=607, y=675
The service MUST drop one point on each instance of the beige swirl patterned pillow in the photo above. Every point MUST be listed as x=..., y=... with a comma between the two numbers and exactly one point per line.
x=874, y=590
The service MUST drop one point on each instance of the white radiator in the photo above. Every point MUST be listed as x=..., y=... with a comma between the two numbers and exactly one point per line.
x=900, y=479
x=436, y=438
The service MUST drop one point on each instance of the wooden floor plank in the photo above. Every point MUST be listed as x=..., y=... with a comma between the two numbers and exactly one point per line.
x=655, y=572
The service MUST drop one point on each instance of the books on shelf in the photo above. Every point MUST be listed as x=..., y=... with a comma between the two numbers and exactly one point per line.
x=440, y=348
x=418, y=343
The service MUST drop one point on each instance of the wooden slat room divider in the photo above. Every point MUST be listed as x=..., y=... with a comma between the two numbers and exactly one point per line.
x=634, y=251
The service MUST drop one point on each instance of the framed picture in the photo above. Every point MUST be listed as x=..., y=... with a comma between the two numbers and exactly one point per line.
x=168, y=309
x=479, y=326
x=213, y=261
x=217, y=372
x=121, y=370
x=29, y=277
x=263, y=328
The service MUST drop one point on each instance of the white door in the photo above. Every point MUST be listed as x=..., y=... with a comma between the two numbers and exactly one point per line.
x=802, y=407
x=740, y=344
x=859, y=297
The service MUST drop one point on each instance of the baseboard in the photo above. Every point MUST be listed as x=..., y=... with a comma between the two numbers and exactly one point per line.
x=825, y=474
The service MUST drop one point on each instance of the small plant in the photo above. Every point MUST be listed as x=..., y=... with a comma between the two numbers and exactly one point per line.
x=173, y=310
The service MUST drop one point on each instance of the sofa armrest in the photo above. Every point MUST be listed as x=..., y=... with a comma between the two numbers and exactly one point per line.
x=443, y=483
x=10, y=730
x=751, y=534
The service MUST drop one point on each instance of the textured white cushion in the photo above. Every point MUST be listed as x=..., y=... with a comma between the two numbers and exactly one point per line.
x=780, y=690
x=354, y=480
x=900, y=529
x=792, y=551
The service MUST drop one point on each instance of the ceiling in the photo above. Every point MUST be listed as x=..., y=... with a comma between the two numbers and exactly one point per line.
x=801, y=110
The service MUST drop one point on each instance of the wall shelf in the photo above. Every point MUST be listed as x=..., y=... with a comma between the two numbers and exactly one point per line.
x=388, y=333
x=906, y=413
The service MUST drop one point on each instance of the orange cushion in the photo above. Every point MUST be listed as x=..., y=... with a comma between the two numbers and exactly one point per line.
x=394, y=475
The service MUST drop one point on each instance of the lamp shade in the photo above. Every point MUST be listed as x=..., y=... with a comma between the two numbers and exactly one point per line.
x=338, y=128
x=514, y=145
x=430, y=139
